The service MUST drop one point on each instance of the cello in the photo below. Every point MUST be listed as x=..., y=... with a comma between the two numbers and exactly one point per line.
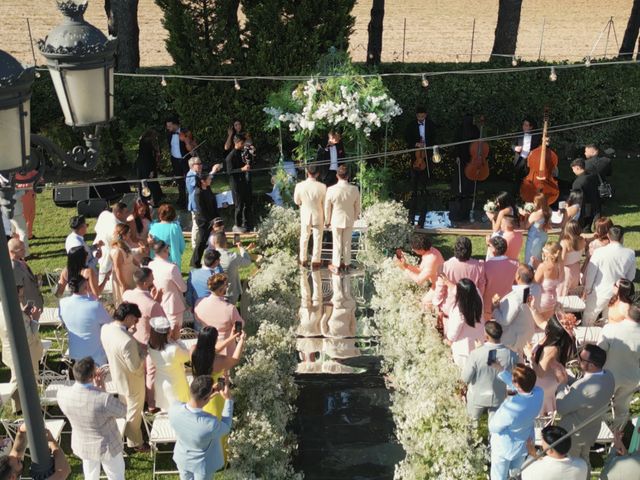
x=477, y=169
x=541, y=162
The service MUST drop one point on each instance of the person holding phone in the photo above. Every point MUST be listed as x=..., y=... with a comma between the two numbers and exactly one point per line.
x=231, y=262
x=426, y=273
x=485, y=392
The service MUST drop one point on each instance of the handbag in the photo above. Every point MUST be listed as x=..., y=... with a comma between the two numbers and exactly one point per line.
x=605, y=190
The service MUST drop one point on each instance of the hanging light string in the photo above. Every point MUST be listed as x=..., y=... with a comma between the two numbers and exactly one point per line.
x=371, y=156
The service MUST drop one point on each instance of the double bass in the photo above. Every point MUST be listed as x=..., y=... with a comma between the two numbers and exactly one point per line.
x=541, y=162
x=477, y=170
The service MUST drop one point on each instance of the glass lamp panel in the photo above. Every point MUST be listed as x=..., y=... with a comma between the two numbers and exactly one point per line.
x=56, y=77
x=10, y=138
x=111, y=88
x=87, y=90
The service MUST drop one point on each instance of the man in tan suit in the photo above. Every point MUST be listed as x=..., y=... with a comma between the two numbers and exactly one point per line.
x=309, y=196
x=126, y=364
x=341, y=209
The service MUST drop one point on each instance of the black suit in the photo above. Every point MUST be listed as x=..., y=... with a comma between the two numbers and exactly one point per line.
x=590, y=209
x=180, y=167
x=599, y=165
x=520, y=165
x=207, y=211
x=418, y=178
x=324, y=156
x=239, y=188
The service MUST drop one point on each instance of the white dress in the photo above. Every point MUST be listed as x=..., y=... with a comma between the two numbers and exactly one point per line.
x=171, y=381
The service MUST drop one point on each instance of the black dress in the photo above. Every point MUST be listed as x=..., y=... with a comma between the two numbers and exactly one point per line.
x=207, y=211
x=147, y=167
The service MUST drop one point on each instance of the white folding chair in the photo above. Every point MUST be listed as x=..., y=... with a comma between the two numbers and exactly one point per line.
x=55, y=426
x=50, y=383
x=160, y=433
x=6, y=391
x=587, y=334
x=188, y=333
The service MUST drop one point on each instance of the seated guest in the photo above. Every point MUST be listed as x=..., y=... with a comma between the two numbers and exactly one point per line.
x=167, y=278
x=460, y=266
x=499, y=270
x=621, y=341
x=231, y=263
x=587, y=396
x=92, y=412
x=198, y=277
x=83, y=317
x=198, y=450
x=557, y=463
x=512, y=425
x=623, y=296
x=216, y=311
x=169, y=357
x=430, y=262
x=485, y=392
x=514, y=239
x=463, y=329
x=514, y=312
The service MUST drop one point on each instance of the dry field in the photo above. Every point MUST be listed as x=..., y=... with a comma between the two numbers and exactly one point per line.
x=435, y=29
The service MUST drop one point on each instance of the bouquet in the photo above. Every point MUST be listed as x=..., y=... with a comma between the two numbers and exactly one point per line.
x=527, y=209
x=490, y=207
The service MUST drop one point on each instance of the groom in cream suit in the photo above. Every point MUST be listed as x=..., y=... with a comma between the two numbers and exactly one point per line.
x=341, y=209
x=309, y=195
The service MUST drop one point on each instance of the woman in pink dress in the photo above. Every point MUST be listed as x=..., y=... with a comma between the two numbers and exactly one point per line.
x=464, y=330
x=622, y=299
x=549, y=274
x=216, y=311
x=573, y=246
x=549, y=359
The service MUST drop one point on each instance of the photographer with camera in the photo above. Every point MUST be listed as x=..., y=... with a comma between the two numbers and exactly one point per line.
x=238, y=163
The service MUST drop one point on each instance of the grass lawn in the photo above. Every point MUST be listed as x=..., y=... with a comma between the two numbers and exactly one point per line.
x=51, y=228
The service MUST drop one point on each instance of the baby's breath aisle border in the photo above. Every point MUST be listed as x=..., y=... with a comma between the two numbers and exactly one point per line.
x=260, y=447
x=430, y=417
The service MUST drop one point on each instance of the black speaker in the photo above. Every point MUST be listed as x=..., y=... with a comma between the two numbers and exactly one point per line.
x=70, y=196
x=92, y=207
x=459, y=208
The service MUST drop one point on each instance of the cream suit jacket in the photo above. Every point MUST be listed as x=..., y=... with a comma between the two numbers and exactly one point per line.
x=309, y=195
x=342, y=205
x=126, y=360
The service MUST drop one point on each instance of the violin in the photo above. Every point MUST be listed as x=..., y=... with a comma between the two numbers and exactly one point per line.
x=477, y=169
x=186, y=136
x=419, y=162
x=541, y=162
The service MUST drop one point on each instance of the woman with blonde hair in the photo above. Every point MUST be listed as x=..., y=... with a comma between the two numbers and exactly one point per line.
x=549, y=274
x=573, y=246
x=124, y=262
x=538, y=223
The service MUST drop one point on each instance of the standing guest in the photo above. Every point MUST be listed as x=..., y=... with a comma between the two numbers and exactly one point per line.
x=231, y=263
x=499, y=271
x=78, y=225
x=168, y=357
x=198, y=452
x=148, y=163
x=167, y=278
x=217, y=226
x=105, y=228
x=588, y=183
x=573, y=210
x=77, y=260
x=514, y=311
x=420, y=134
x=341, y=210
x=207, y=211
x=426, y=273
x=600, y=234
x=606, y=266
x=236, y=128
x=30, y=317
x=463, y=329
x=573, y=246
x=594, y=164
x=126, y=365
x=236, y=169
x=514, y=239
x=197, y=283
x=180, y=145
x=216, y=311
x=623, y=296
x=309, y=195
x=124, y=263
x=146, y=297
x=538, y=223
x=140, y=221
x=587, y=396
x=486, y=393
x=23, y=275
x=549, y=360
x=92, y=412
x=557, y=463
x=83, y=317
x=549, y=274
x=169, y=231
x=460, y=266
x=505, y=205
x=512, y=425
x=28, y=198
x=522, y=147
x=191, y=181
x=330, y=157
x=621, y=341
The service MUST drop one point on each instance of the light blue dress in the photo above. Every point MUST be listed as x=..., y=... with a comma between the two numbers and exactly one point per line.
x=171, y=234
x=536, y=238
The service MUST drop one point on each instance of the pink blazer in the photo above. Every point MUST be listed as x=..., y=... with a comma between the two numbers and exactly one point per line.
x=148, y=307
x=215, y=311
x=514, y=244
x=500, y=276
x=455, y=270
x=166, y=276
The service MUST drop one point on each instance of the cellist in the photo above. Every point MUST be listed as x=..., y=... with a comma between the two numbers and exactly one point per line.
x=419, y=134
x=521, y=147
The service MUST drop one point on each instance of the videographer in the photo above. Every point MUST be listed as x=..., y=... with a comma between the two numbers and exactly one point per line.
x=237, y=168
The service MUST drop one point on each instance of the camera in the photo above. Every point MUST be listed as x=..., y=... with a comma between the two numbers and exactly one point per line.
x=248, y=153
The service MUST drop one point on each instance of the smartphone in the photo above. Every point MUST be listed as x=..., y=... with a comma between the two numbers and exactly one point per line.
x=236, y=238
x=221, y=383
x=491, y=359
x=237, y=327
x=29, y=308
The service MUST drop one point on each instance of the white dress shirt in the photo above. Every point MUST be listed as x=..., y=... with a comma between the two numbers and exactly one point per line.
x=333, y=155
x=421, y=130
x=549, y=468
x=175, y=145
x=526, y=145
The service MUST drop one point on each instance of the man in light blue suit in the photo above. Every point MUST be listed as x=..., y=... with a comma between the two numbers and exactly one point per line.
x=513, y=423
x=198, y=451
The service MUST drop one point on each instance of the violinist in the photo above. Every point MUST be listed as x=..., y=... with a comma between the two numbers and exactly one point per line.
x=419, y=134
x=522, y=146
x=180, y=144
x=330, y=157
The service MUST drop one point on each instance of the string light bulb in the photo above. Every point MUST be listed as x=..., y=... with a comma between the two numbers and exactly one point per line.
x=145, y=190
x=553, y=76
x=236, y=84
x=457, y=58
x=514, y=61
x=587, y=62
x=436, y=158
x=163, y=82
x=425, y=81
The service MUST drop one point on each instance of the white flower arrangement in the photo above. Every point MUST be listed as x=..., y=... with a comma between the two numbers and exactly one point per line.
x=490, y=207
x=279, y=231
x=387, y=228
